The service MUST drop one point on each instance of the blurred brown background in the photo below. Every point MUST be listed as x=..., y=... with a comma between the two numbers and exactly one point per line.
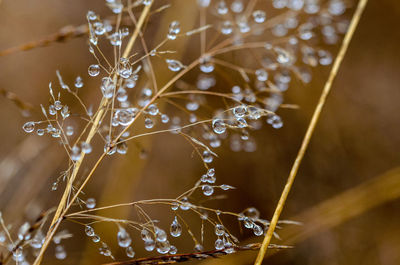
x=357, y=139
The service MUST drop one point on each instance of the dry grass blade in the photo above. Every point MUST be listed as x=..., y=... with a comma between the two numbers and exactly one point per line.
x=172, y=259
x=306, y=140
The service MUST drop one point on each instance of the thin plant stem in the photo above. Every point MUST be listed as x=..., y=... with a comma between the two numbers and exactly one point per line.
x=307, y=137
x=61, y=209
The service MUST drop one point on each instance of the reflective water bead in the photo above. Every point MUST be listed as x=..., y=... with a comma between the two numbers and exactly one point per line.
x=29, y=126
x=78, y=82
x=175, y=206
x=203, y=3
x=89, y=231
x=175, y=228
x=207, y=190
x=259, y=16
x=124, y=239
x=174, y=29
x=218, y=126
x=164, y=118
x=229, y=249
x=226, y=27
x=226, y=187
x=206, y=66
x=23, y=231
x=40, y=132
x=325, y=58
x=37, y=241
x=125, y=116
x=91, y=15
x=174, y=65
x=219, y=230
x=147, y=2
x=257, y=230
x=60, y=252
x=94, y=70
x=90, y=203
x=283, y=56
x=122, y=148
x=99, y=28
x=65, y=112
x=124, y=68
x=115, y=39
x=237, y=6
x=211, y=172
x=252, y=213
x=146, y=235
x=337, y=7
x=185, y=205
x=240, y=111
x=86, y=147
x=69, y=131
x=148, y=123
x=161, y=236
x=222, y=9
x=198, y=248
x=152, y=109
x=129, y=252
x=295, y=4
x=163, y=247
x=52, y=110
x=219, y=244
x=275, y=121
x=75, y=153
x=173, y=250
x=207, y=157
x=122, y=95
x=261, y=75
x=57, y=105
x=95, y=238
x=107, y=87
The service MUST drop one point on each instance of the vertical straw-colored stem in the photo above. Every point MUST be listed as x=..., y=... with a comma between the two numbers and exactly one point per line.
x=306, y=140
x=63, y=205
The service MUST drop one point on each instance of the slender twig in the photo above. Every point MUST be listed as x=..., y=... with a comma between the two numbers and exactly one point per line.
x=310, y=129
x=63, y=206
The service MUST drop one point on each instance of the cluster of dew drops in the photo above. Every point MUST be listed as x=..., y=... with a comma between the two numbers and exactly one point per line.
x=278, y=69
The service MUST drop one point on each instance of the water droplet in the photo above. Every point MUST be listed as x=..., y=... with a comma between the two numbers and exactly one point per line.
x=198, y=248
x=219, y=244
x=161, y=236
x=164, y=118
x=219, y=230
x=226, y=27
x=207, y=190
x=222, y=9
x=149, y=245
x=89, y=230
x=153, y=110
x=60, y=252
x=91, y=15
x=173, y=250
x=185, y=204
x=148, y=123
x=29, y=127
x=69, y=131
x=146, y=235
x=94, y=70
x=259, y=16
x=86, y=147
x=124, y=68
x=129, y=252
x=174, y=65
x=78, y=82
x=175, y=228
x=124, y=240
x=90, y=203
x=240, y=111
x=95, y=238
x=163, y=247
x=207, y=157
x=174, y=29
x=218, y=126
x=257, y=230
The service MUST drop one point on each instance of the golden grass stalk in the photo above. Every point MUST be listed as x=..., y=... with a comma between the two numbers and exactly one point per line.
x=307, y=137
